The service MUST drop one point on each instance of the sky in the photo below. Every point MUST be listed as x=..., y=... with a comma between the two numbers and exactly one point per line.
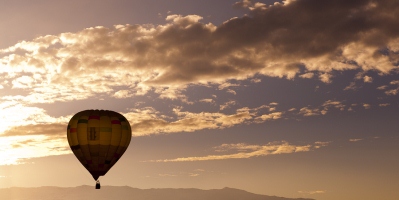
x=294, y=98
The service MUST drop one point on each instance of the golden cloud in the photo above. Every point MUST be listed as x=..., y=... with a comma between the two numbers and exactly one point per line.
x=246, y=151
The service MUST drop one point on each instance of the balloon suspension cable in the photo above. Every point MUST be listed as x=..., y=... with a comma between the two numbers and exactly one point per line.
x=98, y=186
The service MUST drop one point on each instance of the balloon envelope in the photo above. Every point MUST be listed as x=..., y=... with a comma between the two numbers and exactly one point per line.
x=98, y=138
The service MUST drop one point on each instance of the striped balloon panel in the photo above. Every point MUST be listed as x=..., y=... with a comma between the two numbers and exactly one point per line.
x=98, y=138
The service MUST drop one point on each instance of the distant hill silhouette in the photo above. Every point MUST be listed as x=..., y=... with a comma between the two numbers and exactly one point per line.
x=128, y=193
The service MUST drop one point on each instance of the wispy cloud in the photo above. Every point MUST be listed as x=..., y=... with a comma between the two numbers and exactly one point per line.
x=193, y=174
x=149, y=121
x=307, y=75
x=270, y=116
x=167, y=175
x=351, y=86
x=239, y=147
x=15, y=149
x=37, y=129
x=211, y=101
x=313, y=192
x=320, y=144
x=227, y=105
x=324, y=108
x=246, y=151
x=393, y=91
x=15, y=115
x=305, y=111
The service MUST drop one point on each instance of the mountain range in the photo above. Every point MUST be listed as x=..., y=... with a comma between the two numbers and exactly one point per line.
x=128, y=193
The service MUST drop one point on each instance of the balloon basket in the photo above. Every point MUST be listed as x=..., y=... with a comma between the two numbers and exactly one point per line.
x=98, y=186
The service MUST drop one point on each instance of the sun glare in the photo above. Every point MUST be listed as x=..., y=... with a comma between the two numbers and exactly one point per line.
x=15, y=149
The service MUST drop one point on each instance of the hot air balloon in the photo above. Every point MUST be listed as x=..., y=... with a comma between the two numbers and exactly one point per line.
x=98, y=138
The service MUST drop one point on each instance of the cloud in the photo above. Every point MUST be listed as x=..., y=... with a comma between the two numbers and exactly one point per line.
x=351, y=86
x=227, y=105
x=245, y=151
x=243, y=4
x=256, y=80
x=320, y=144
x=313, y=192
x=121, y=94
x=325, y=77
x=227, y=85
x=383, y=87
x=15, y=149
x=393, y=91
x=322, y=109
x=335, y=104
x=390, y=92
x=144, y=121
x=366, y=106
x=19, y=120
x=355, y=140
x=211, y=101
x=308, y=75
x=174, y=175
x=305, y=111
x=239, y=147
x=368, y=79
x=276, y=40
x=273, y=103
x=23, y=82
x=167, y=175
x=193, y=174
x=271, y=116
x=148, y=121
x=231, y=91
x=37, y=129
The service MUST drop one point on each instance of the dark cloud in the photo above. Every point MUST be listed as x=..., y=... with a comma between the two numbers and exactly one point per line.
x=309, y=28
x=299, y=32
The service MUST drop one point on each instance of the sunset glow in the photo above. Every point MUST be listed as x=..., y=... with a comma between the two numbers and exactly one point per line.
x=292, y=98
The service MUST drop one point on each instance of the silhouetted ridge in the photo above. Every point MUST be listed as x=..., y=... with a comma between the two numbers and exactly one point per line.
x=85, y=192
